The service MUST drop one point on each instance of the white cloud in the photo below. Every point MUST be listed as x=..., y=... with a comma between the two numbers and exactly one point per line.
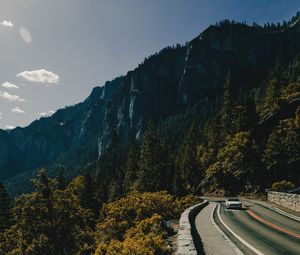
x=10, y=97
x=41, y=76
x=9, y=85
x=7, y=23
x=9, y=127
x=25, y=35
x=0, y=115
x=17, y=110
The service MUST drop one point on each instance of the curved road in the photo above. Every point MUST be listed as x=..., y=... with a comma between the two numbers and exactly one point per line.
x=211, y=235
x=262, y=228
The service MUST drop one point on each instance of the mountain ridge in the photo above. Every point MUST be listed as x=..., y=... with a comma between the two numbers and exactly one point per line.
x=176, y=79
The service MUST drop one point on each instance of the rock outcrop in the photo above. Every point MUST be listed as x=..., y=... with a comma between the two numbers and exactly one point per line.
x=166, y=84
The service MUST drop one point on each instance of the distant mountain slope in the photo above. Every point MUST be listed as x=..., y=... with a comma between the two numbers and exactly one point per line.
x=166, y=84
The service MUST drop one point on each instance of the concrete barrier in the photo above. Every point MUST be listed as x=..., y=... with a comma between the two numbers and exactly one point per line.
x=189, y=242
x=287, y=200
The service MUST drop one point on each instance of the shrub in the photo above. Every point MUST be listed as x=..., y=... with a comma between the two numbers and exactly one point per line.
x=134, y=223
x=282, y=186
x=182, y=203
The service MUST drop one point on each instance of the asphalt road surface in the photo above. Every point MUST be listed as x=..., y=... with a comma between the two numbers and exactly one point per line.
x=266, y=231
x=211, y=235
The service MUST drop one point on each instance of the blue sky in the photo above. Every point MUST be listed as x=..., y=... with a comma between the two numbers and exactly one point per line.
x=54, y=52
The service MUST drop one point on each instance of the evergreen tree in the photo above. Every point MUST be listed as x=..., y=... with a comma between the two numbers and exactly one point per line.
x=236, y=165
x=131, y=165
x=246, y=115
x=113, y=167
x=186, y=161
x=167, y=165
x=90, y=196
x=252, y=116
x=5, y=206
x=213, y=137
x=277, y=79
x=62, y=183
x=84, y=188
x=49, y=221
x=151, y=163
x=282, y=153
x=228, y=105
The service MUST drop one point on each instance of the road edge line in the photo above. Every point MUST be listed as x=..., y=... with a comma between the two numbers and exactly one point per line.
x=252, y=248
x=275, y=209
x=271, y=225
x=235, y=248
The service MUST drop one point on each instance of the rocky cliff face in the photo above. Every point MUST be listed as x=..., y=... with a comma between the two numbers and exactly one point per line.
x=166, y=84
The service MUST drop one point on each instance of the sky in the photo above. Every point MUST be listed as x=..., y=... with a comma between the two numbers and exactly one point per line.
x=53, y=52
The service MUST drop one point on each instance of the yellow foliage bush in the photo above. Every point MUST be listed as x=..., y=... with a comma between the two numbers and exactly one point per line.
x=132, y=225
x=181, y=204
x=282, y=186
x=146, y=238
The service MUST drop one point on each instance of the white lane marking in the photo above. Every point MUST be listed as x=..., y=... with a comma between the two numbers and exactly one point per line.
x=252, y=248
x=233, y=246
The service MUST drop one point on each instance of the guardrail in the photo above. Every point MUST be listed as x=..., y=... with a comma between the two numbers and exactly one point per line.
x=189, y=242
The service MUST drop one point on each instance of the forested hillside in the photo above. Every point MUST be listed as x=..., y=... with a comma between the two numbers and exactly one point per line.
x=219, y=115
x=246, y=147
x=172, y=89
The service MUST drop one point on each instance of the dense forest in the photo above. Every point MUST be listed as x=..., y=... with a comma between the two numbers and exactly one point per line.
x=245, y=148
x=65, y=219
x=121, y=202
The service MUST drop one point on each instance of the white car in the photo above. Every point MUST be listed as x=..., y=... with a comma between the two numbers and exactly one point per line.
x=233, y=203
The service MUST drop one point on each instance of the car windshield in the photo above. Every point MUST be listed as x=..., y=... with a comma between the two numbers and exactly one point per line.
x=233, y=199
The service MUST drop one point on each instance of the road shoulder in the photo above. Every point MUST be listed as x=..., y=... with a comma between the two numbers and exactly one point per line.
x=213, y=239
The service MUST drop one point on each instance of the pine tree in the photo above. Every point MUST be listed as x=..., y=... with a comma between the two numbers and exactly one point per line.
x=213, y=136
x=277, y=79
x=109, y=174
x=90, y=196
x=62, y=183
x=282, y=152
x=167, y=159
x=246, y=115
x=228, y=105
x=236, y=163
x=50, y=221
x=84, y=188
x=131, y=165
x=252, y=116
x=5, y=206
x=151, y=161
x=186, y=161
x=114, y=169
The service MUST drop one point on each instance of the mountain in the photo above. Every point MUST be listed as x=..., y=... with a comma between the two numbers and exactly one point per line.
x=177, y=81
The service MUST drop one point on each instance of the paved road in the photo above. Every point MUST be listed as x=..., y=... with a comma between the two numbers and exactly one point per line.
x=264, y=229
x=210, y=235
